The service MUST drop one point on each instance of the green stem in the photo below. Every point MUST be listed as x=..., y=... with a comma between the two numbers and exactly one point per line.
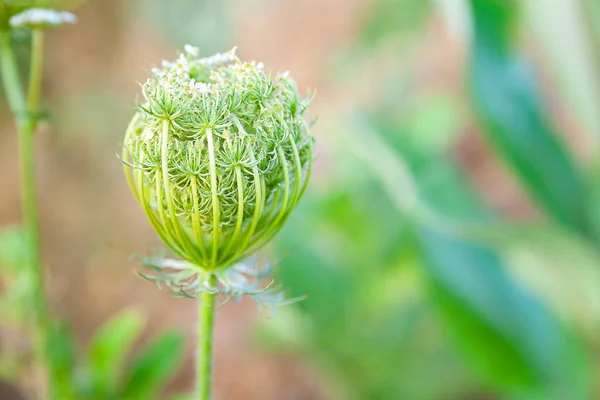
x=26, y=114
x=36, y=72
x=206, y=315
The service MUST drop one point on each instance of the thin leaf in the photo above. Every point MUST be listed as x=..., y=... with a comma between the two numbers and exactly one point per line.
x=506, y=333
x=108, y=351
x=61, y=352
x=515, y=119
x=512, y=338
x=153, y=367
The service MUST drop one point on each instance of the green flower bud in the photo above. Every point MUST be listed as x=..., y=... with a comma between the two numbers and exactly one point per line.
x=218, y=155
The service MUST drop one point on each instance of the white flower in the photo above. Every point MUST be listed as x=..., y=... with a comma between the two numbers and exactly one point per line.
x=202, y=87
x=191, y=50
x=36, y=18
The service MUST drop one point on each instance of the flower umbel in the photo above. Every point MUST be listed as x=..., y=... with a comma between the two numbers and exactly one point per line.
x=218, y=155
x=40, y=18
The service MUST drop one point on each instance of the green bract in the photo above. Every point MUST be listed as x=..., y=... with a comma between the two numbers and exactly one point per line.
x=218, y=155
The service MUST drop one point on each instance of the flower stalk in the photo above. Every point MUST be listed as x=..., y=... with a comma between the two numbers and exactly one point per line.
x=26, y=112
x=206, y=316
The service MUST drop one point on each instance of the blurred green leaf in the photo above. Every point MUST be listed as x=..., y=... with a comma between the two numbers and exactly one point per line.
x=562, y=268
x=154, y=366
x=109, y=349
x=365, y=322
x=509, y=336
x=16, y=279
x=392, y=17
x=514, y=341
x=328, y=289
x=62, y=355
x=569, y=54
x=14, y=253
x=433, y=124
x=514, y=117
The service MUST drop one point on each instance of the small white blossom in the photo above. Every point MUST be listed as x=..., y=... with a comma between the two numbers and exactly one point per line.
x=191, y=50
x=202, y=87
x=36, y=18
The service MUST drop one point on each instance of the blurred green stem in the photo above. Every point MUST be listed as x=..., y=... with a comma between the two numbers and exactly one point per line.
x=27, y=114
x=206, y=315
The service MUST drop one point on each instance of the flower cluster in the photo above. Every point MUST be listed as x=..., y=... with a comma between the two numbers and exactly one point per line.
x=40, y=18
x=218, y=155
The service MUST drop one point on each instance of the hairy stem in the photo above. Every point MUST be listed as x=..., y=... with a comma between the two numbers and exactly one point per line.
x=206, y=315
x=26, y=113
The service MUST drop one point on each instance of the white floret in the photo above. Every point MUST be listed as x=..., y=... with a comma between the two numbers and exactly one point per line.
x=41, y=17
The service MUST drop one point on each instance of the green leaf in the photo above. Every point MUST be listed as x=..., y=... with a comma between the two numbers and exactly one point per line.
x=328, y=289
x=16, y=278
x=61, y=352
x=153, y=367
x=14, y=254
x=569, y=54
x=514, y=341
x=515, y=119
x=108, y=351
x=506, y=333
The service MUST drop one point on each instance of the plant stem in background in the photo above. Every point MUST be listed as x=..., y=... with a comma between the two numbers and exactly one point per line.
x=27, y=114
x=206, y=315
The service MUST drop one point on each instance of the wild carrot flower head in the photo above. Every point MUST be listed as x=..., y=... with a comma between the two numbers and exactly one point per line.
x=218, y=154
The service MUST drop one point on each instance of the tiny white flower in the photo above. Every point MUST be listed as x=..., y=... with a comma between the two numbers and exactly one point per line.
x=182, y=62
x=191, y=50
x=39, y=18
x=202, y=87
x=157, y=72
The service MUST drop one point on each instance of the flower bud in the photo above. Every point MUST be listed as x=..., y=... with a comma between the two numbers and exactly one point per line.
x=218, y=155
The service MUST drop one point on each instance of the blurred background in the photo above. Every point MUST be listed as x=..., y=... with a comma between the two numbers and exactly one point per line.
x=449, y=241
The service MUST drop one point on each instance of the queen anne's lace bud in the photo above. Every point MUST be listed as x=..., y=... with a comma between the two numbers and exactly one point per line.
x=218, y=155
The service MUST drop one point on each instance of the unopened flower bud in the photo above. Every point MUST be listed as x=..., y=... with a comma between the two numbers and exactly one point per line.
x=218, y=155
